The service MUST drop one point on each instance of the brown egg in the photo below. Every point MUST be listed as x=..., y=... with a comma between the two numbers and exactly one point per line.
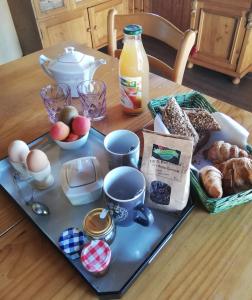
x=18, y=151
x=37, y=160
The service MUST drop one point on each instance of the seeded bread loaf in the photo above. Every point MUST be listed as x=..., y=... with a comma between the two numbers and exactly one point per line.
x=177, y=122
x=201, y=119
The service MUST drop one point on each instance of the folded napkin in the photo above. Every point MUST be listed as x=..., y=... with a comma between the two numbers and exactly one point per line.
x=159, y=126
x=231, y=131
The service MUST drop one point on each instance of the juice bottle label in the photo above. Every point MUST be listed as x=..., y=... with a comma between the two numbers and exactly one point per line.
x=131, y=92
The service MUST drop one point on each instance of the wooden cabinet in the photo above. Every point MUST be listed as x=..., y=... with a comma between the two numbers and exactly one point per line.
x=72, y=26
x=137, y=6
x=98, y=20
x=81, y=21
x=224, y=36
x=177, y=12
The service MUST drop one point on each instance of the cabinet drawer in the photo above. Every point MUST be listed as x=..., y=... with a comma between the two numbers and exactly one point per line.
x=73, y=26
x=47, y=8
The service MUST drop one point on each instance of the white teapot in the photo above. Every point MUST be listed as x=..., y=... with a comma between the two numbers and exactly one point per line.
x=71, y=67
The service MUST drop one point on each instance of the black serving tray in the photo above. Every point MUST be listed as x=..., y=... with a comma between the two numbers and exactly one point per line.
x=134, y=247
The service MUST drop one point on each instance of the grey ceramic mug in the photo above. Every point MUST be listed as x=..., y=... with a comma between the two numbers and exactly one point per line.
x=124, y=188
x=123, y=148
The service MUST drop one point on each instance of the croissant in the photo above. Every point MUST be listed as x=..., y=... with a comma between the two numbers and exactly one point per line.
x=221, y=151
x=237, y=175
x=211, y=179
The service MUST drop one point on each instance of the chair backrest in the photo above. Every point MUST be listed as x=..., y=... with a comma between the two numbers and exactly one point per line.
x=161, y=29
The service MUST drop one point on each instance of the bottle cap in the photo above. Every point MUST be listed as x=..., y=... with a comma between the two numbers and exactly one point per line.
x=133, y=29
x=96, y=256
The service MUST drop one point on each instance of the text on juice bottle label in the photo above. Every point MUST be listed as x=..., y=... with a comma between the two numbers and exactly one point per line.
x=131, y=92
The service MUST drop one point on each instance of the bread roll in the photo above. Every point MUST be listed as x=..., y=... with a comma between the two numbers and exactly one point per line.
x=211, y=179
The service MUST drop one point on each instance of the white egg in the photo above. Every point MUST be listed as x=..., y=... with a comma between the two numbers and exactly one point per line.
x=18, y=151
x=37, y=161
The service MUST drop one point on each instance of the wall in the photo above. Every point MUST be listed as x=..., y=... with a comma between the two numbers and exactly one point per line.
x=9, y=44
x=25, y=24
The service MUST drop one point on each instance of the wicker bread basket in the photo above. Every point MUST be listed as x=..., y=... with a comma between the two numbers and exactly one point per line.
x=213, y=205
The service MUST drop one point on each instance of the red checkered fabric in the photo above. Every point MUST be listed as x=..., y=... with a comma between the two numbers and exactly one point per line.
x=96, y=256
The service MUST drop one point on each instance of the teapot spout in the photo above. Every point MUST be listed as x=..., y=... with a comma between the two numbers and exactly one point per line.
x=43, y=61
x=97, y=64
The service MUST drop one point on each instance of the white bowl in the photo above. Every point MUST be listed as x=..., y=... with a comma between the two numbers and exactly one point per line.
x=73, y=145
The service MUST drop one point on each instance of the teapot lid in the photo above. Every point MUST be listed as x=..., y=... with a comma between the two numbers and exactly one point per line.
x=71, y=56
x=72, y=62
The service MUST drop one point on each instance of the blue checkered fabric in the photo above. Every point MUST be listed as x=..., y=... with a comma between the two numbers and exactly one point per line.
x=71, y=242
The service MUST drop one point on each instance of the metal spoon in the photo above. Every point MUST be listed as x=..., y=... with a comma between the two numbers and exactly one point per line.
x=37, y=207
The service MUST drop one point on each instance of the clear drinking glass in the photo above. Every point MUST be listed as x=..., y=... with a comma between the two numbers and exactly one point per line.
x=55, y=97
x=93, y=97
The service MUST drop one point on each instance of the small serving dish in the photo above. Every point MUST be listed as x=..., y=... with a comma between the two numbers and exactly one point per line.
x=82, y=180
x=73, y=145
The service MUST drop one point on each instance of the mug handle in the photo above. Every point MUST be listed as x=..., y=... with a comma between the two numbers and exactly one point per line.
x=148, y=218
x=129, y=161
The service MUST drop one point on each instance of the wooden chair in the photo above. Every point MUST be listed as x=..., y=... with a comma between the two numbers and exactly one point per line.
x=161, y=29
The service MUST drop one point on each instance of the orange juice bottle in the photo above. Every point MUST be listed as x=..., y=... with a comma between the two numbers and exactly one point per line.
x=133, y=71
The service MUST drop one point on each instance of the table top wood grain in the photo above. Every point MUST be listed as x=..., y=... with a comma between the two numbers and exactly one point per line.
x=209, y=257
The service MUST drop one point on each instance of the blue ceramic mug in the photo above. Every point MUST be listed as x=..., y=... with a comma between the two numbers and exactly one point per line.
x=123, y=148
x=124, y=188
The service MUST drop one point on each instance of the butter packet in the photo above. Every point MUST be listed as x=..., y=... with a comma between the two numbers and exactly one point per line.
x=166, y=166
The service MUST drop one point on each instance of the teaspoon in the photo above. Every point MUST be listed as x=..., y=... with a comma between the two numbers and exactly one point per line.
x=37, y=207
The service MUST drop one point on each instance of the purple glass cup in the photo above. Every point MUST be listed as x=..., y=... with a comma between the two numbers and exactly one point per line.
x=55, y=97
x=93, y=98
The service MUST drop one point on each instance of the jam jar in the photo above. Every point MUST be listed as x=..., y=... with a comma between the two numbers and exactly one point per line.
x=96, y=257
x=97, y=228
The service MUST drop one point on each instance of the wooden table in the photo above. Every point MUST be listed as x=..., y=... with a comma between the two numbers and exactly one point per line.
x=210, y=256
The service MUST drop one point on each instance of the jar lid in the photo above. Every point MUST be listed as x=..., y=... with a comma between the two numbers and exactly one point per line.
x=96, y=256
x=71, y=242
x=133, y=29
x=93, y=224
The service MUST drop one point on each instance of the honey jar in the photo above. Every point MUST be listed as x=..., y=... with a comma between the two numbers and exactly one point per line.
x=96, y=227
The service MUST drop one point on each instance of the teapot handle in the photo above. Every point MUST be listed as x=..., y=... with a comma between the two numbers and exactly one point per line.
x=43, y=60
